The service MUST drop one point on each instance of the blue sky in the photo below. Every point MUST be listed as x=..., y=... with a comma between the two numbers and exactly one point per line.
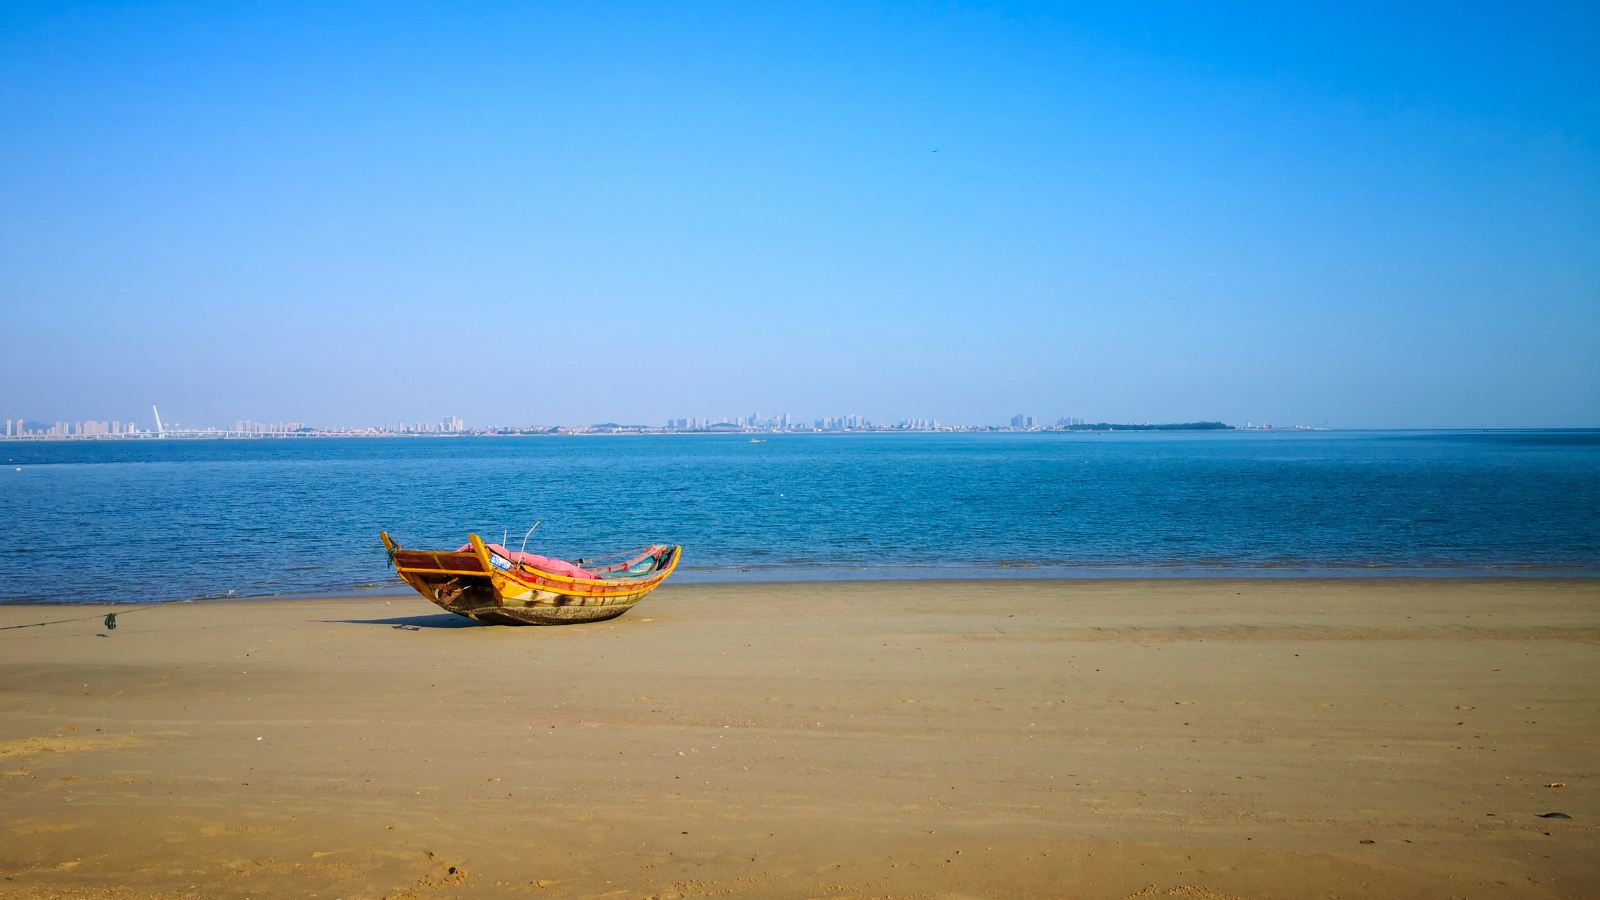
x=574, y=213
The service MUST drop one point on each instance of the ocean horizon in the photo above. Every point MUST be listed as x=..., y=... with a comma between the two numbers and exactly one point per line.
x=140, y=521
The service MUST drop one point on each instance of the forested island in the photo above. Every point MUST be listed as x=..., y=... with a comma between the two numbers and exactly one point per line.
x=1169, y=426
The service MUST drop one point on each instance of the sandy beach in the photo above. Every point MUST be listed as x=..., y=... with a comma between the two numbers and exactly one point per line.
x=1064, y=739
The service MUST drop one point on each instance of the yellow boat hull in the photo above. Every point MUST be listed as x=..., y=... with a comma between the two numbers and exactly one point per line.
x=487, y=588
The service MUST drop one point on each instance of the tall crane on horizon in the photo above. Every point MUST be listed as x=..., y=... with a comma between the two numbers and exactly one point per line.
x=161, y=430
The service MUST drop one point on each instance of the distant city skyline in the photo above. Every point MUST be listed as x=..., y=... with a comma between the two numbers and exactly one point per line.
x=159, y=426
x=1286, y=212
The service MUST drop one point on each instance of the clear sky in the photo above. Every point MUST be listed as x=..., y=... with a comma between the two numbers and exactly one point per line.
x=547, y=213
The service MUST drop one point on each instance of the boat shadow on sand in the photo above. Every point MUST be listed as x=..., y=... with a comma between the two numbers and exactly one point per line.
x=438, y=620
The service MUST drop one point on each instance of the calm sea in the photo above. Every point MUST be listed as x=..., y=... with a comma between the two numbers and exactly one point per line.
x=141, y=520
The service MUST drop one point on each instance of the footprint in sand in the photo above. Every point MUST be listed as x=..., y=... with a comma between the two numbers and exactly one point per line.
x=247, y=867
x=440, y=874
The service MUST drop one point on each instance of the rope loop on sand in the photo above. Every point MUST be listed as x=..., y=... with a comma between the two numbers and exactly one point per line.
x=108, y=619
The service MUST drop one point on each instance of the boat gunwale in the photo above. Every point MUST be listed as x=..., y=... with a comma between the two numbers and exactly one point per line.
x=627, y=587
x=532, y=576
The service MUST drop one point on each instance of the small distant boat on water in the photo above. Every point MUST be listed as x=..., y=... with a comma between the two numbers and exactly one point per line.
x=758, y=440
x=496, y=586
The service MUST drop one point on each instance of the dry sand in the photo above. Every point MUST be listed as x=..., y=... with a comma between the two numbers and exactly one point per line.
x=1089, y=739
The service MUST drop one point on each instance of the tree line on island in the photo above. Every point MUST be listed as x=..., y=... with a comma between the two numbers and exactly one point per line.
x=1167, y=426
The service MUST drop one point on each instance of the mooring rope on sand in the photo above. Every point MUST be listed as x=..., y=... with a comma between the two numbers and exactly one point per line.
x=110, y=619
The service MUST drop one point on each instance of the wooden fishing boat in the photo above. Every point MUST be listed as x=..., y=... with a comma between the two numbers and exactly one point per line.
x=490, y=584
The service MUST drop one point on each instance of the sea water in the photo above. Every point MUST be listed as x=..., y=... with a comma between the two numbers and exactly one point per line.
x=140, y=520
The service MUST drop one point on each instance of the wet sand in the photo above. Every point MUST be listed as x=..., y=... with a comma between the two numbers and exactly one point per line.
x=1078, y=739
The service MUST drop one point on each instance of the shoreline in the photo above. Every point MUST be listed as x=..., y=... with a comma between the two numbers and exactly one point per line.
x=1007, y=576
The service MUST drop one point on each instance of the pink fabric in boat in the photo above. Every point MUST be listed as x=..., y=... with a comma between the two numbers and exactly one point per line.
x=543, y=563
